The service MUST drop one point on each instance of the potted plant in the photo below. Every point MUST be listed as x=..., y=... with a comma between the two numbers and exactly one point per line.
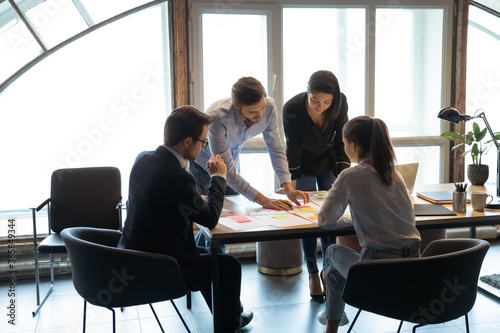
x=473, y=142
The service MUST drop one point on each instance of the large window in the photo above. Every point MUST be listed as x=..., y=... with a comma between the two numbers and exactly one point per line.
x=325, y=38
x=483, y=75
x=408, y=72
x=229, y=54
x=98, y=101
x=231, y=43
x=392, y=59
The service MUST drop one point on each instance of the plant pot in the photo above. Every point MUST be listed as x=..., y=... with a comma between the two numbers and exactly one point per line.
x=477, y=174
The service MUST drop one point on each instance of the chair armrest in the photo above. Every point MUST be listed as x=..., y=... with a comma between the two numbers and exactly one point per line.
x=43, y=204
x=445, y=246
x=119, y=206
x=34, y=211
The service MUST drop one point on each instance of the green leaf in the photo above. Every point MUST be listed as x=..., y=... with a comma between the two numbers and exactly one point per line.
x=479, y=136
x=472, y=141
x=475, y=150
x=452, y=136
x=475, y=128
x=469, y=138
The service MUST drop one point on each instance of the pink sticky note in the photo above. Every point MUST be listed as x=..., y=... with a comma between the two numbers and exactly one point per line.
x=239, y=219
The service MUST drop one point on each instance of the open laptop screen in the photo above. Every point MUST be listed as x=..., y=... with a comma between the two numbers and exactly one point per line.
x=409, y=174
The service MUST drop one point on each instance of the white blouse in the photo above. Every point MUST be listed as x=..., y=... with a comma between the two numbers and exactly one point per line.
x=382, y=215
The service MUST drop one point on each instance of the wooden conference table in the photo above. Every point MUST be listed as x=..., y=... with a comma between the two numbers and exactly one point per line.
x=225, y=235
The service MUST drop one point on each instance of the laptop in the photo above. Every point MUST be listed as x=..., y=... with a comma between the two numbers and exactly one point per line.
x=409, y=174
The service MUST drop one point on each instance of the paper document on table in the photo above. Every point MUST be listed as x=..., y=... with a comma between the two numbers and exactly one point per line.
x=318, y=197
x=308, y=212
x=255, y=211
x=283, y=220
x=241, y=222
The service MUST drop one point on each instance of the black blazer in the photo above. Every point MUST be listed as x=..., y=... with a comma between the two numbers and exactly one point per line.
x=309, y=150
x=162, y=205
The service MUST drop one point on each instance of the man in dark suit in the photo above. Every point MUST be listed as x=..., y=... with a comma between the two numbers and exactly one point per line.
x=163, y=203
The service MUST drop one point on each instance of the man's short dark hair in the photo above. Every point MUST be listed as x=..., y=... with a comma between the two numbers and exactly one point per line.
x=247, y=91
x=184, y=122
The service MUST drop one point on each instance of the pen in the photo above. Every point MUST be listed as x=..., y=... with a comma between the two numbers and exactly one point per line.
x=460, y=187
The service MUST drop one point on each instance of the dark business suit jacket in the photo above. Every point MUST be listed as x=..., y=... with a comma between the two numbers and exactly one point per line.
x=162, y=205
x=309, y=150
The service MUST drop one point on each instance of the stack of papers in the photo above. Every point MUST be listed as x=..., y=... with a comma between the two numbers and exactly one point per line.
x=261, y=217
x=283, y=219
x=318, y=197
x=241, y=222
x=309, y=212
x=258, y=216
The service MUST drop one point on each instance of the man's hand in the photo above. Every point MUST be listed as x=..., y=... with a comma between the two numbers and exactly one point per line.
x=275, y=204
x=216, y=165
x=281, y=190
x=294, y=195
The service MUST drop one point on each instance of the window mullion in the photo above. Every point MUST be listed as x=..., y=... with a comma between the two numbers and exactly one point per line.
x=370, y=50
x=30, y=27
x=83, y=11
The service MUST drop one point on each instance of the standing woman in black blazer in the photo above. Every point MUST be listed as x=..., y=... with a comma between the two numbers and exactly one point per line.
x=313, y=122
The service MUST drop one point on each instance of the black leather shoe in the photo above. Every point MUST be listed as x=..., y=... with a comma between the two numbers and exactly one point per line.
x=318, y=298
x=245, y=318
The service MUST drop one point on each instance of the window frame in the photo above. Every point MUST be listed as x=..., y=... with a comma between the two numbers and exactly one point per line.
x=275, y=7
x=29, y=4
x=22, y=216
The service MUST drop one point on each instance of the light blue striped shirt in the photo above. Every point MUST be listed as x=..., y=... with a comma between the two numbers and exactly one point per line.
x=227, y=135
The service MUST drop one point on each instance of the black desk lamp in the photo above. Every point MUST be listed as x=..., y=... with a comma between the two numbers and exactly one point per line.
x=452, y=115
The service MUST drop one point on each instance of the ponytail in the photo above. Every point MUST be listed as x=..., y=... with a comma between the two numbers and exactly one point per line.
x=372, y=137
x=382, y=152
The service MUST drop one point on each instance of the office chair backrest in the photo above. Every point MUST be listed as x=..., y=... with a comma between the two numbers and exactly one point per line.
x=85, y=197
x=113, y=277
x=436, y=288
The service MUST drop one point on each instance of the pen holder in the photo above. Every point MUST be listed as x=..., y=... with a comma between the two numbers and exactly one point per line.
x=459, y=202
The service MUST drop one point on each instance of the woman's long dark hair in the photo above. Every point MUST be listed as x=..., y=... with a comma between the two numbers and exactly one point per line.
x=326, y=82
x=372, y=137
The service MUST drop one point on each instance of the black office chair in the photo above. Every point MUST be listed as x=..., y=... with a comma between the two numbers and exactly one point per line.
x=107, y=276
x=88, y=197
x=439, y=287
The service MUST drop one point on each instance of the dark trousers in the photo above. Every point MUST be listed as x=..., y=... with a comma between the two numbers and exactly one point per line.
x=230, y=288
x=324, y=182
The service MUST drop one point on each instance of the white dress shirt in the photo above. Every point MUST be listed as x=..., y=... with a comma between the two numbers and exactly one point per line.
x=382, y=215
x=182, y=160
